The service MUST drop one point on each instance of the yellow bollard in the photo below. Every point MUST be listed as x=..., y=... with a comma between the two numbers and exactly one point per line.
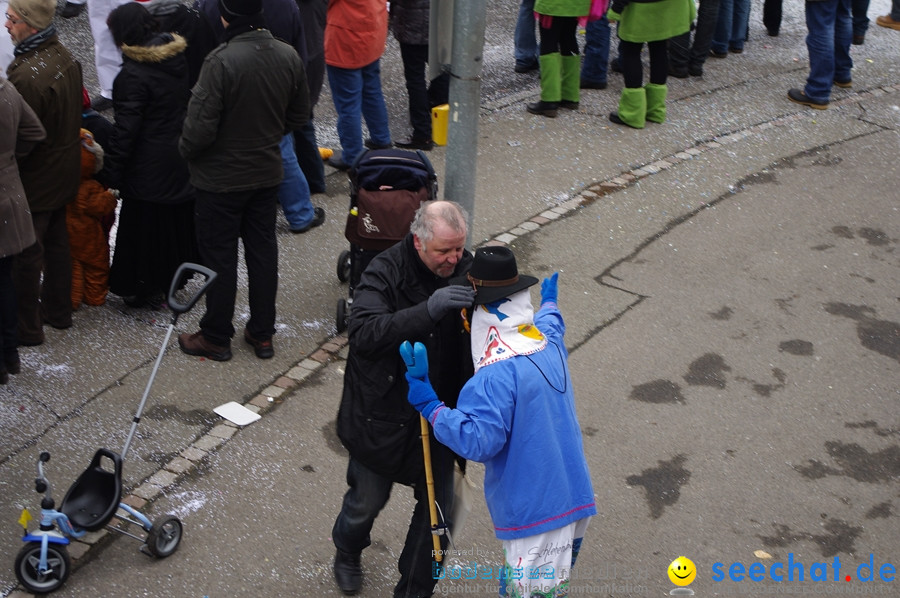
x=440, y=115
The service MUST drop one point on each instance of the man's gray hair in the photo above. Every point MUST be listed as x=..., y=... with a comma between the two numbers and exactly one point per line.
x=430, y=212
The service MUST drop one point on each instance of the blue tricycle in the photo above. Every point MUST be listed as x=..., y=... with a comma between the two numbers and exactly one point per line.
x=43, y=564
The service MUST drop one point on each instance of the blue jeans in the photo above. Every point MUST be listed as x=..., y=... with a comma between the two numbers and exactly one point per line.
x=367, y=495
x=596, y=51
x=357, y=94
x=731, y=26
x=293, y=192
x=830, y=31
x=524, y=39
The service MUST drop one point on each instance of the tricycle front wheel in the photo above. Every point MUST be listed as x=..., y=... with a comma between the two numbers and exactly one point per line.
x=30, y=574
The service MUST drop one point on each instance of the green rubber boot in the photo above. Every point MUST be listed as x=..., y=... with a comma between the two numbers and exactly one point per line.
x=656, y=102
x=632, y=108
x=550, y=86
x=551, y=77
x=570, y=81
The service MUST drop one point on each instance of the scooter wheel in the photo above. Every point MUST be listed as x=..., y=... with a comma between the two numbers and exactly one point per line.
x=343, y=266
x=28, y=571
x=164, y=536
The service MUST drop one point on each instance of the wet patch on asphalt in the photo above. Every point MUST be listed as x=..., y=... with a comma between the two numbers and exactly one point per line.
x=880, y=511
x=855, y=462
x=881, y=336
x=657, y=391
x=192, y=417
x=840, y=537
x=796, y=347
x=707, y=371
x=723, y=314
x=766, y=390
x=879, y=431
x=662, y=484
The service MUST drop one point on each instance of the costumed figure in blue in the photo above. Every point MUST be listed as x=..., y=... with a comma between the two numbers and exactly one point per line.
x=517, y=416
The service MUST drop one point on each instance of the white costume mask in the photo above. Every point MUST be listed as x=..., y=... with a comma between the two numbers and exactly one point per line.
x=504, y=329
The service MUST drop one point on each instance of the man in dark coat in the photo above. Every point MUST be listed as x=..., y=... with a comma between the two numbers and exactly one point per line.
x=49, y=79
x=402, y=294
x=251, y=90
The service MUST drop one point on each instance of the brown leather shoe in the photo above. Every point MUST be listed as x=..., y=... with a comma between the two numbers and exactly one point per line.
x=196, y=344
x=887, y=21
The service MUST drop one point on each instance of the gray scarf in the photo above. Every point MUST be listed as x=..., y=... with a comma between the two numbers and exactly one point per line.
x=31, y=43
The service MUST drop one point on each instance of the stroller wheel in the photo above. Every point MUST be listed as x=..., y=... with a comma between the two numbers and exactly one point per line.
x=341, y=316
x=343, y=266
x=29, y=573
x=164, y=536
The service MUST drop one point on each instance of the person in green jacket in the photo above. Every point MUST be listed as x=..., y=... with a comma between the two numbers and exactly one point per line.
x=560, y=60
x=652, y=22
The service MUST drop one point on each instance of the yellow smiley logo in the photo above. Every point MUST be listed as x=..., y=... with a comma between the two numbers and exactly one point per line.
x=682, y=571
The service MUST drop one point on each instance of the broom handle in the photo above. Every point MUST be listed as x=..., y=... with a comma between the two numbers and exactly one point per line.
x=429, y=482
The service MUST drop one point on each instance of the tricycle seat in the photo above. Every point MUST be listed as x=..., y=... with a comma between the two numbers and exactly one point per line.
x=94, y=497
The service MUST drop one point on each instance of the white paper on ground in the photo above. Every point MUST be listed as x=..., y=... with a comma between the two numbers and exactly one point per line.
x=237, y=413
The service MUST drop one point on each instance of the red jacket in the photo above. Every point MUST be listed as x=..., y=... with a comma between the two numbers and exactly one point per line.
x=355, y=32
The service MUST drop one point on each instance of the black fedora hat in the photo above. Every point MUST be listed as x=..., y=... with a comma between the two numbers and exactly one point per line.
x=494, y=275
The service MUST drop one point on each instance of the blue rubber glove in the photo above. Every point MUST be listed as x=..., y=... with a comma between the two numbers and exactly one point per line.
x=416, y=359
x=421, y=395
x=550, y=289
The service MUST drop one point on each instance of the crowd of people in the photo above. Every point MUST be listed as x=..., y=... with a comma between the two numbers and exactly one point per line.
x=184, y=167
x=680, y=35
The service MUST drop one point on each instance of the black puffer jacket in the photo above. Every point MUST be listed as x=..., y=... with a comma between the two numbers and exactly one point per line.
x=150, y=97
x=375, y=421
x=409, y=21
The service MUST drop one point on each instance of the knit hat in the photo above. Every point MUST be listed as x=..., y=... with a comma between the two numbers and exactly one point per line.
x=36, y=13
x=232, y=9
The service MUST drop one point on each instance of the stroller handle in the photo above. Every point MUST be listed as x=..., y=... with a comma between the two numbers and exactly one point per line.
x=185, y=271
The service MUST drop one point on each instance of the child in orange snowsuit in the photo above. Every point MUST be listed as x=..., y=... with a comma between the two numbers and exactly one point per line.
x=88, y=241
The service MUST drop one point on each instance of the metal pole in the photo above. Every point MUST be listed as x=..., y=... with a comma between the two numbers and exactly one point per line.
x=469, y=17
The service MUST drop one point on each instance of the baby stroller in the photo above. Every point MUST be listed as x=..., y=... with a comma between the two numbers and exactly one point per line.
x=386, y=188
x=43, y=563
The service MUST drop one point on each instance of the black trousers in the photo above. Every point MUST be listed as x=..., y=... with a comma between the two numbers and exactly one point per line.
x=42, y=275
x=633, y=71
x=309, y=158
x=560, y=36
x=221, y=219
x=423, y=96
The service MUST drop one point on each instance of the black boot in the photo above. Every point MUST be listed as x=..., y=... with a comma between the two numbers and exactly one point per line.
x=348, y=572
x=543, y=108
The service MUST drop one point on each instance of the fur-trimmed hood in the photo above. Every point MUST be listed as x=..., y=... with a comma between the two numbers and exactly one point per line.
x=160, y=48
